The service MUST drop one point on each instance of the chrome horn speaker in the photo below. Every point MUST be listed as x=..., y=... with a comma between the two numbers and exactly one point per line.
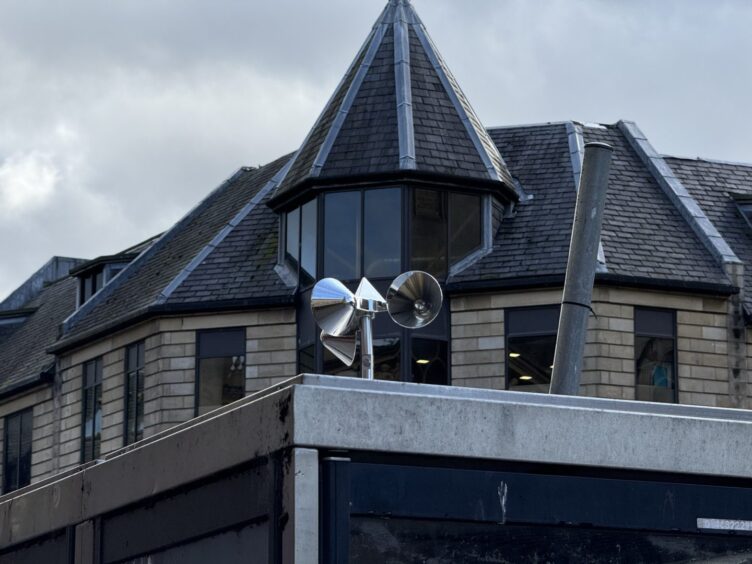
x=414, y=300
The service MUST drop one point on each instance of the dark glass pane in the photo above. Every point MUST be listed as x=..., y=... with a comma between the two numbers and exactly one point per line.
x=386, y=358
x=383, y=233
x=342, y=235
x=453, y=542
x=225, y=342
x=12, y=452
x=308, y=240
x=429, y=362
x=98, y=281
x=24, y=464
x=654, y=322
x=221, y=381
x=134, y=393
x=307, y=360
x=428, y=232
x=292, y=237
x=533, y=321
x=465, y=225
x=529, y=362
x=655, y=369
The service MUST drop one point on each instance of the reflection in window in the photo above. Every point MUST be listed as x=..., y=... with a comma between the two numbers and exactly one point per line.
x=655, y=355
x=221, y=368
x=342, y=235
x=292, y=236
x=386, y=359
x=429, y=232
x=465, y=226
x=383, y=233
x=429, y=361
x=134, y=393
x=17, y=451
x=92, y=410
x=531, y=341
x=308, y=240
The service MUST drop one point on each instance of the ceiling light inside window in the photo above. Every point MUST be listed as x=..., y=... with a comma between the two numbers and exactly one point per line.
x=525, y=378
x=422, y=361
x=514, y=355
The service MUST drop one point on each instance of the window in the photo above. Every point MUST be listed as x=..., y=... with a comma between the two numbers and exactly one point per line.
x=134, y=393
x=89, y=284
x=744, y=205
x=221, y=368
x=363, y=235
x=655, y=354
x=400, y=354
x=530, y=345
x=17, y=455
x=446, y=228
x=92, y=410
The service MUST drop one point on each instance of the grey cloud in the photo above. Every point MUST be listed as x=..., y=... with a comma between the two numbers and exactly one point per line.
x=124, y=114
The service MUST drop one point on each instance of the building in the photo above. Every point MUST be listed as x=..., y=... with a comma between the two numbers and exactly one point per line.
x=397, y=173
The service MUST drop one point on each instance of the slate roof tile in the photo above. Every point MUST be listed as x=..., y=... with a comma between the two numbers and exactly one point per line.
x=23, y=354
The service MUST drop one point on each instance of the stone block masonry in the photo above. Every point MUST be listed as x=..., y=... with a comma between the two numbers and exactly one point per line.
x=702, y=343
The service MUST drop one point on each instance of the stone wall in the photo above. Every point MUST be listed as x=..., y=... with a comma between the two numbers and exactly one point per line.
x=169, y=373
x=609, y=369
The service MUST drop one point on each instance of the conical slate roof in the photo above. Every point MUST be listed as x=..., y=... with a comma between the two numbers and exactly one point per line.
x=398, y=108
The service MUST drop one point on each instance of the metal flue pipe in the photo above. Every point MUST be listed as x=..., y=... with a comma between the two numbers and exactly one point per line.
x=578, y=282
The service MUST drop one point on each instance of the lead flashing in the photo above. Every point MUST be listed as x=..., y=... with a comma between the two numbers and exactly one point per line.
x=223, y=233
x=405, y=122
x=679, y=195
x=485, y=147
x=377, y=36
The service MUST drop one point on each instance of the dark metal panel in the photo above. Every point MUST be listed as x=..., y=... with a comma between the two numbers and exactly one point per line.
x=503, y=497
x=187, y=514
x=55, y=548
x=335, y=511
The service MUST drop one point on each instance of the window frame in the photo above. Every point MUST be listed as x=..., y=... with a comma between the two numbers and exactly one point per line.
x=85, y=390
x=199, y=357
x=406, y=240
x=675, y=359
x=6, y=444
x=128, y=371
x=525, y=334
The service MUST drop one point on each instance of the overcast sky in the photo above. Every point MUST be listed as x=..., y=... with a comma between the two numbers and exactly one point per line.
x=116, y=117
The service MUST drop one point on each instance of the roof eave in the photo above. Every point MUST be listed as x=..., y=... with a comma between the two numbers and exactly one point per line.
x=299, y=192
x=167, y=309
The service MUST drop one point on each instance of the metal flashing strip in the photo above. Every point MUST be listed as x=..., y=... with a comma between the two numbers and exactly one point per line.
x=485, y=248
x=485, y=147
x=223, y=233
x=377, y=36
x=405, y=122
x=577, y=156
x=678, y=195
x=129, y=270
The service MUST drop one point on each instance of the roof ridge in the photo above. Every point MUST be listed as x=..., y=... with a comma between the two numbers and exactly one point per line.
x=679, y=196
x=376, y=39
x=484, y=145
x=706, y=160
x=536, y=124
x=175, y=283
x=134, y=265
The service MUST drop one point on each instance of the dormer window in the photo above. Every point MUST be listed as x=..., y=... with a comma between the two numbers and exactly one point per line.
x=744, y=205
x=94, y=276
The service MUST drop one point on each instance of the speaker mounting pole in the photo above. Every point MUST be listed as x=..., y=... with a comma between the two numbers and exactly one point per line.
x=366, y=341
